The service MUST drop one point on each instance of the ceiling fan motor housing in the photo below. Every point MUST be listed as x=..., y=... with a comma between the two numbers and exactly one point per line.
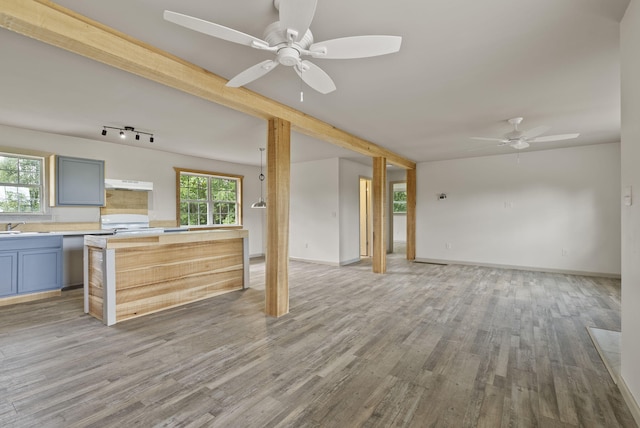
x=513, y=135
x=288, y=54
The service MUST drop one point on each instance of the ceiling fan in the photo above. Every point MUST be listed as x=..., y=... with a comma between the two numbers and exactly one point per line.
x=522, y=139
x=290, y=39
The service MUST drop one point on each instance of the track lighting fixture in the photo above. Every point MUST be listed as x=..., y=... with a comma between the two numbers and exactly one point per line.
x=125, y=129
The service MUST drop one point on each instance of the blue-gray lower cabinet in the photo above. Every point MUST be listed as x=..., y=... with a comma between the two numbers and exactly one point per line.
x=8, y=273
x=30, y=264
x=39, y=270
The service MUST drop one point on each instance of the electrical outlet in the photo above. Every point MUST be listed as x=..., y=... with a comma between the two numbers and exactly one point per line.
x=448, y=245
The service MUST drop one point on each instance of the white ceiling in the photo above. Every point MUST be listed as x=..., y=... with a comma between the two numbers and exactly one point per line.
x=465, y=67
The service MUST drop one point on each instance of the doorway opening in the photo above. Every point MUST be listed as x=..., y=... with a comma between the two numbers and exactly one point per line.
x=398, y=223
x=366, y=218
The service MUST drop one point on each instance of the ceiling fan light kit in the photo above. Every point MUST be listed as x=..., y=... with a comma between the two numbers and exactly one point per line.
x=519, y=140
x=290, y=39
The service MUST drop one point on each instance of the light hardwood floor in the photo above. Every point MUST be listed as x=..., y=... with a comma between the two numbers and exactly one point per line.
x=422, y=346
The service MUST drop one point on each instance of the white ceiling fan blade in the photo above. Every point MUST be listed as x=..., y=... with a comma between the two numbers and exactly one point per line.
x=252, y=73
x=356, y=47
x=315, y=77
x=475, y=149
x=534, y=132
x=215, y=30
x=553, y=138
x=500, y=140
x=296, y=16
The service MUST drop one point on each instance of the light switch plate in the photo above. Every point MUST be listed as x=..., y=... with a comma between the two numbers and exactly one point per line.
x=627, y=196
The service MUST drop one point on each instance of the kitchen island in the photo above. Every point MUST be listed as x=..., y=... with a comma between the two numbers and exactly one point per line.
x=128, y=276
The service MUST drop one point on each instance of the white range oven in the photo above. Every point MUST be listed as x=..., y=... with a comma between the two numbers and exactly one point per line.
x=133, y=224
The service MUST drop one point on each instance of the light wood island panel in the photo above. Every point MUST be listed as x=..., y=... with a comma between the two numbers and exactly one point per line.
x=127, y=276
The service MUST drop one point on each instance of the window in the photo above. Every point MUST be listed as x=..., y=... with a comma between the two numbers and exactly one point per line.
x=399, y=201
x=209, y=199
x=21, y=184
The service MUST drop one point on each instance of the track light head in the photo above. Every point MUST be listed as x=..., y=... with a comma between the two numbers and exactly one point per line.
x=104, y=132
x=151, y=139
x=137, y=137
x=122, y=135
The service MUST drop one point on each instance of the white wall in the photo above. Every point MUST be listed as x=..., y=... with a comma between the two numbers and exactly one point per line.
x=350, y=173
x=314, y=231
x=137, y=163
x=630, y=48
x=399, y=228
x=523, y=211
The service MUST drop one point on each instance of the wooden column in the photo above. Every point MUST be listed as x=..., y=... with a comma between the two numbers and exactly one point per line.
x=278, y=193
x=379, y=215
x=411, y=214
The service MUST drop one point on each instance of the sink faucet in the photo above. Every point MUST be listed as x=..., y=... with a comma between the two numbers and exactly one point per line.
x=11, y=226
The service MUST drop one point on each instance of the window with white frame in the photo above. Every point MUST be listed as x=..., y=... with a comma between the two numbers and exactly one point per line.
x=399, y=201
x=21, y=184
x=209, y=199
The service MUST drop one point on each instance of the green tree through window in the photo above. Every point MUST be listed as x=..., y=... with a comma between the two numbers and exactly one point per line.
x=209, y=200
x=21, y=184
x=399, y=201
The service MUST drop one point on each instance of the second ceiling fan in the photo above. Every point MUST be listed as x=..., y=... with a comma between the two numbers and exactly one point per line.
x=522, y=139
x=290, y=39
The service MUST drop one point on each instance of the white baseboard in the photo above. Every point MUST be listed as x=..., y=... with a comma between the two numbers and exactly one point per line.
x=324, y=262
x=529, y=268
x=318, y=262
x=628, y=398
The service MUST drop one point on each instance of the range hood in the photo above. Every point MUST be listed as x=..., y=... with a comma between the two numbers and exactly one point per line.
x=112, y=183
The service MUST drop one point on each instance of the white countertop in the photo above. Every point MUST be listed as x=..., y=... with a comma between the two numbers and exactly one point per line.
x=19, y=234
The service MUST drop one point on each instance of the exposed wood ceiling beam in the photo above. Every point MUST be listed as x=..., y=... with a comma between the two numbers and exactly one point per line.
x=50, y=23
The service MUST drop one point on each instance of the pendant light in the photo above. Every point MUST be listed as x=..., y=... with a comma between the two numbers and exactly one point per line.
x=261, y=203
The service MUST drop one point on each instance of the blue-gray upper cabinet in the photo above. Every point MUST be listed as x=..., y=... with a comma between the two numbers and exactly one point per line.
x=78, y=181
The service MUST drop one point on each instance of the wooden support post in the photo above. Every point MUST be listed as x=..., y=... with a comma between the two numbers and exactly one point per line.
x=411, y=214
x=379, y=217
x=278, y=194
